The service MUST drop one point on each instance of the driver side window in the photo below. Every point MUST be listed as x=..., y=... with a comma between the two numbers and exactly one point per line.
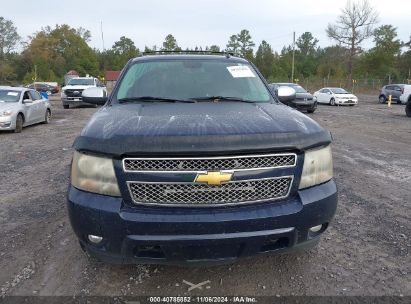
x=27, y=96
x=35, y=95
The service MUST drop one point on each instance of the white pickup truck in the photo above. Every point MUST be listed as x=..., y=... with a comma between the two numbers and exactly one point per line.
x=406, y=99
x=71, y=93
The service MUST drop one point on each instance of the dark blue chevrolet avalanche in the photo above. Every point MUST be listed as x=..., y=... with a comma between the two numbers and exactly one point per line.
x=192, y=159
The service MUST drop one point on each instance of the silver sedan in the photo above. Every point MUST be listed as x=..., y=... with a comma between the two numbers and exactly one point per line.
x=20, y=107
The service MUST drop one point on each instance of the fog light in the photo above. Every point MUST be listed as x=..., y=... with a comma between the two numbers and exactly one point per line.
x=95, y=238
x=316, y=228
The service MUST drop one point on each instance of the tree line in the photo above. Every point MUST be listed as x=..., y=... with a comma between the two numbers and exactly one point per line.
x=50, y=53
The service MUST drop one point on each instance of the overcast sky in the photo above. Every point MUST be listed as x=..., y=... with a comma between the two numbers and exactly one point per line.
x=195, y=22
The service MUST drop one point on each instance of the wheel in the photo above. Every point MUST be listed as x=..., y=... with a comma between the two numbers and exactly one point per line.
x=332, y=101
x=65, y=106
x=19, y=123
x=382, y=99
x=311, y=110
x=47, y=117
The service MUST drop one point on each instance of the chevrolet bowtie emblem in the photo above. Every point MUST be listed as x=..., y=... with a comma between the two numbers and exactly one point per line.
x=213, y=178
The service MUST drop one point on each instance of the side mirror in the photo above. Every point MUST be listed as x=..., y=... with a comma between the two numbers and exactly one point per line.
x=286, y=94
x=27, y=101
x=95, y=95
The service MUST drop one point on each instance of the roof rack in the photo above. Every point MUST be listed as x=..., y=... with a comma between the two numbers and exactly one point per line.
x=225, y=53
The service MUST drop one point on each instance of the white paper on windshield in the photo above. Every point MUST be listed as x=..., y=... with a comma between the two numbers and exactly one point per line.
x=12, y=93
x=240, y=71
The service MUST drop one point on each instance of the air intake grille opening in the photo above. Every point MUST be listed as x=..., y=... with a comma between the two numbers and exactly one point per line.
x=189, y=194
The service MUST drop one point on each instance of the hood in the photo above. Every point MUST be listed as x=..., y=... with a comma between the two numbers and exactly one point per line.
x=76, y=87
x=9, y=106
x=198, y=128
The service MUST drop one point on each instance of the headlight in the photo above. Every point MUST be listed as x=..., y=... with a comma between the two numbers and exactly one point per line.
x=94, y=174
x=6, y=113
x=318, y=167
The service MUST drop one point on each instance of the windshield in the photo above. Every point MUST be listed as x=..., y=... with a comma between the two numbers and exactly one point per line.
x=299, y=89
x=9, y=96
x=187, y=79
x=296, y=87
x=81, y=81
x=338, y=91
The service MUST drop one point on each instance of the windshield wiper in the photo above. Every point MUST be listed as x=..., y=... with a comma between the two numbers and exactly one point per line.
x=152, y=98
x=221, y=98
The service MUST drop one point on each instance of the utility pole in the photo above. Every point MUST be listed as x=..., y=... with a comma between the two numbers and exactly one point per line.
x=102, y=35
x=102, y=39
x=292, y=64
x=35, y=76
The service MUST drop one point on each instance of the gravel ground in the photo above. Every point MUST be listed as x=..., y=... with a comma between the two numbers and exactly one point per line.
x=366, y=251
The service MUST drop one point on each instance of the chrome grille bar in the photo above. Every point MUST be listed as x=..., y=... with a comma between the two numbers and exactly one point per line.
x=195, y=164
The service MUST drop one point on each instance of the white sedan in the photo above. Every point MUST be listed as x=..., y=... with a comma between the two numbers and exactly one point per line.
x=335, y=96
x=20, y=107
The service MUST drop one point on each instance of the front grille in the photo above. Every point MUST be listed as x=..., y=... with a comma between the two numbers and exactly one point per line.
x=210, y=164
x=73, y=92
x=192, y=194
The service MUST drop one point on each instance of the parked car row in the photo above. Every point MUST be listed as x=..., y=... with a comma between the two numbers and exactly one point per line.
x=304, y=100
x=399, y=93
x=24, y=106
x=21, y=107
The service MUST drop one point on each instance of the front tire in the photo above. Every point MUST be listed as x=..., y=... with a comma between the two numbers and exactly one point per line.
x=332, y=101
x=19, y=123
x=382, y=99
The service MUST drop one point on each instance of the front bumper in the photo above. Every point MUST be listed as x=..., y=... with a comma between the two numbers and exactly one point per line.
x=164, y=235
x=346, y=101
x=7, y=123
x=77, y=101
x=304, y=104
